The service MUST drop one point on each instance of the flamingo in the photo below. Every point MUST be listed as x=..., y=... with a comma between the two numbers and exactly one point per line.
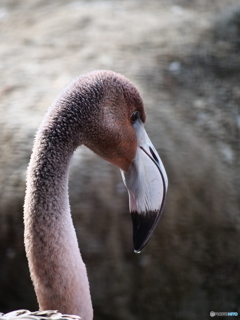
x=104, y=111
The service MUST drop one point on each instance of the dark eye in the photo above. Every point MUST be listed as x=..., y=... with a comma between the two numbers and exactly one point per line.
x=135, y=116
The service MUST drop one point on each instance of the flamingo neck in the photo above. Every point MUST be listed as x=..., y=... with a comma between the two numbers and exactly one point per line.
x=57, y=270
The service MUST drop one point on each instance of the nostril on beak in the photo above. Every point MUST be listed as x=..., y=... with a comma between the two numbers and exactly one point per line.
x=153, y=155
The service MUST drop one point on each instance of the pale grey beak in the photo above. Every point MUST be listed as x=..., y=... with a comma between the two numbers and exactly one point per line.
x=147, y=183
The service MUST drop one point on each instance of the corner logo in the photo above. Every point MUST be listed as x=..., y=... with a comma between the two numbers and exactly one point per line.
x=222, y=314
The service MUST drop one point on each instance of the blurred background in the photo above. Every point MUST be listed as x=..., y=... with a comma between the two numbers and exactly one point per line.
x=184, y=57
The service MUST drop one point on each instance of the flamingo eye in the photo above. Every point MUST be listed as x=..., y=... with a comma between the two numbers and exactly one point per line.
x=135, y=116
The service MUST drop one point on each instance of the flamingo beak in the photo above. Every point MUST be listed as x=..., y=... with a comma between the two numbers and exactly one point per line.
x=147, y=182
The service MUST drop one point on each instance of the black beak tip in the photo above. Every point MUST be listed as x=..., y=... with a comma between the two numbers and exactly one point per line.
x=143, y=226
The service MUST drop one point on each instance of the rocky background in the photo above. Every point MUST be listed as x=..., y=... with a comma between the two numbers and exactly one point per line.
x=184, y=56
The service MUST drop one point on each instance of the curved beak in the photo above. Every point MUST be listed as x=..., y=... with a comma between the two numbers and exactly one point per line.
x=147, y=182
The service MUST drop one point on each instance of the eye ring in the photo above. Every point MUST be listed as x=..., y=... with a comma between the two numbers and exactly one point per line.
x=135, y=116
